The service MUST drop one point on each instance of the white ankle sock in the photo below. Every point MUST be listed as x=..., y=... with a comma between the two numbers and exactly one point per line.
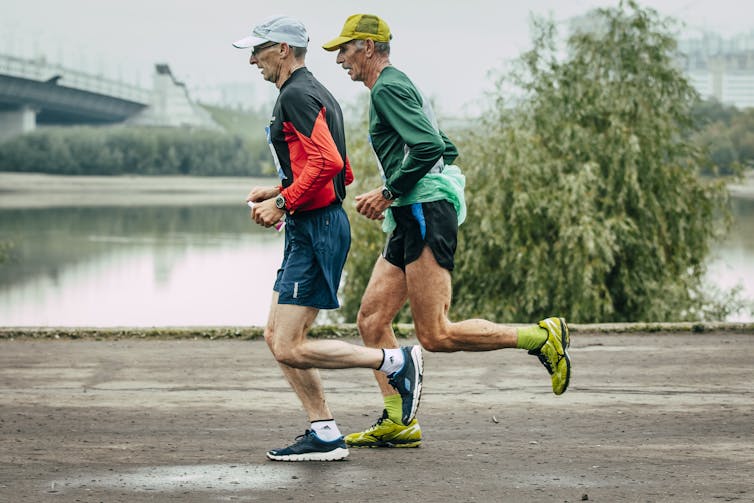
x=392, y=361
x=326, y=430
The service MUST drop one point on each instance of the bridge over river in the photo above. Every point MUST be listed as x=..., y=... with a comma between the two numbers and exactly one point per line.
x=34, y=91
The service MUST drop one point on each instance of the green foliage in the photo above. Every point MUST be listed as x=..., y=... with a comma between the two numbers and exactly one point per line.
x=711, y=111
x=584, y=197
x=134, y=151
x=5, y=249
x=728, y=134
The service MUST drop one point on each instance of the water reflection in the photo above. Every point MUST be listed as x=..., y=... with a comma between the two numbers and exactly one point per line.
x=136, y=266
x=731, y=263
x=189, y=265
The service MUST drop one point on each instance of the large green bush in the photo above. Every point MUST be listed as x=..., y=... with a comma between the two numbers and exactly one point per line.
x=585, y=196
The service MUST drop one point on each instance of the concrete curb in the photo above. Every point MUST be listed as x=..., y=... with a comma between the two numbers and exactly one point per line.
x=339, y=330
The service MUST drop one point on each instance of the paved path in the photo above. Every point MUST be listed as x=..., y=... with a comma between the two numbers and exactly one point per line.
x=648, y=418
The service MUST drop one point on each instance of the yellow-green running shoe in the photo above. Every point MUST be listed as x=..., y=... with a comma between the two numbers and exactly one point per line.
x=386, y=433
x=554, y=353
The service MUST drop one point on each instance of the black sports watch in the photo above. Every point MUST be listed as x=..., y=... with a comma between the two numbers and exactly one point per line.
x=387, y=194
x=280, y=202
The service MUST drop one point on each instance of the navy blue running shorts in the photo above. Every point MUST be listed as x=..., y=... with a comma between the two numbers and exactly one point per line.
x=316, y=246
x=418, y=225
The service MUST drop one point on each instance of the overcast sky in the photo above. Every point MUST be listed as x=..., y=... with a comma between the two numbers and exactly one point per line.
x=447, y=47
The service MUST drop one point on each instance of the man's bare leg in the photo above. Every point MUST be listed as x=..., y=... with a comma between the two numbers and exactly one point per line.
x=383, y=298
x=287, y=337
x=306, y=383
x=429, y=292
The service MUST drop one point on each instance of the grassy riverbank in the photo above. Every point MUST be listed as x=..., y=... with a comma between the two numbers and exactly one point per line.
x=402, y=331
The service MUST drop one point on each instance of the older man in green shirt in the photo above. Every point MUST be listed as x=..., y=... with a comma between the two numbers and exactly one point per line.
x=423, y=204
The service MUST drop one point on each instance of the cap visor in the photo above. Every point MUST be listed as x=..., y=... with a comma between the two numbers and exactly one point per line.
x=335, y=43
x=249, y=41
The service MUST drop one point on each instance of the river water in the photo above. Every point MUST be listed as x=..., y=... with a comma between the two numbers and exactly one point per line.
x=131, y=253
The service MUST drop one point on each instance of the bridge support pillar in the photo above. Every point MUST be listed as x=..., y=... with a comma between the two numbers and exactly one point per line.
x=17, y=122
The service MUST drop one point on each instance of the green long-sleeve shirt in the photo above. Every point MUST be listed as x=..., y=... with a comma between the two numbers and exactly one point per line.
x=404, y=132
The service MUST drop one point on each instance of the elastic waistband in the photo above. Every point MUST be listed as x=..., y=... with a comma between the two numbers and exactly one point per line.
x=303, y=215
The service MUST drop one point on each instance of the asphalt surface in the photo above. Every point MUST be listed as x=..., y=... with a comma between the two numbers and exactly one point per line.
x=648, y=418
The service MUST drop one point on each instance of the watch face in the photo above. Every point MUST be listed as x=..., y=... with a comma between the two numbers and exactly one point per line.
x=387, y=194
x=280, y=202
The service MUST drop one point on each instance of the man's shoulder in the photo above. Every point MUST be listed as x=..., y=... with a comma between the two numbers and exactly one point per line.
x=390, y=76
x=304, y=89
x=393, y=82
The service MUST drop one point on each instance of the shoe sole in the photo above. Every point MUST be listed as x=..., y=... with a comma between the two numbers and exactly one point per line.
x=387, y=445
x=565, y=341
x=418, y=358
x=334, y=455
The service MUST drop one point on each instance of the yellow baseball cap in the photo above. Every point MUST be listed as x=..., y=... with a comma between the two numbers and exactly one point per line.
x=360, y=27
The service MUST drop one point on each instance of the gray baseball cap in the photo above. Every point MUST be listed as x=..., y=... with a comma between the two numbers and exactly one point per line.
x=276, y=29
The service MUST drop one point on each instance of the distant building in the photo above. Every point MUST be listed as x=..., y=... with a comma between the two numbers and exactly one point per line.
x=170, y=105
x=719, y=68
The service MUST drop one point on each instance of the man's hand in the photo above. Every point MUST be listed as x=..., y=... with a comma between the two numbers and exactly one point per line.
x=259, y=194
x=372, y=205
x=264, y=212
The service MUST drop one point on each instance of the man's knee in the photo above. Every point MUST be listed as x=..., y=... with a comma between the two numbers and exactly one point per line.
x=364, y=322
x=371, y=326
x=273, y=343
x=269, y=338
x=291, y=356
x=435, y=341
x=284, y=353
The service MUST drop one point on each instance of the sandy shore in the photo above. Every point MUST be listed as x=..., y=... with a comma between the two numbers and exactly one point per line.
x=34, y=190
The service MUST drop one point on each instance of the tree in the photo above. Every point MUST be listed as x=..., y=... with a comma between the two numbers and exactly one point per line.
x=742, y=136
x=726, y=132
x=710, y=111
x=5, y=247
x=584, y=194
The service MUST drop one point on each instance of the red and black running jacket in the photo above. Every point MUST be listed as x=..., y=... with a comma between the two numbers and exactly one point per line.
x=309, y=144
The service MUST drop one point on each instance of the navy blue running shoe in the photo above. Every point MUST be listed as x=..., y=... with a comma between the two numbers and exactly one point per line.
x=408, y=381
x=309, y=447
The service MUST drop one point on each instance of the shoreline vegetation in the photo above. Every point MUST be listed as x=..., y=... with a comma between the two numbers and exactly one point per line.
x=344, y=330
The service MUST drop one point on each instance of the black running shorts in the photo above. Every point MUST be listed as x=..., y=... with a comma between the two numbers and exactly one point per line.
x=418, y=225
